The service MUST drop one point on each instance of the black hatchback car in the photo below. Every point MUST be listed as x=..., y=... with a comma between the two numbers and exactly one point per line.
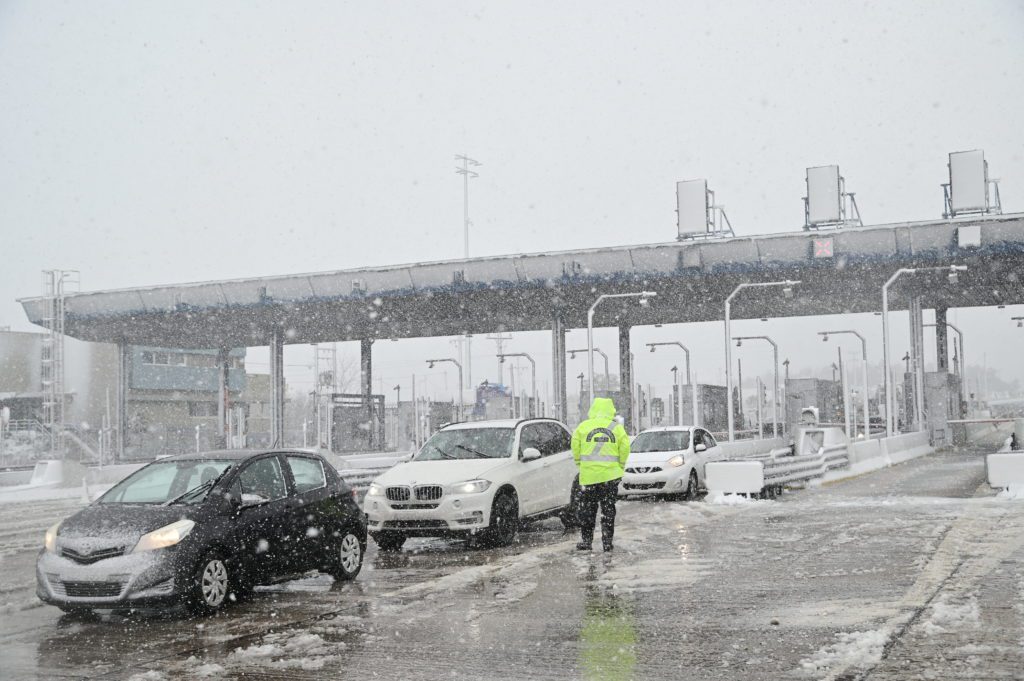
x=202, y=529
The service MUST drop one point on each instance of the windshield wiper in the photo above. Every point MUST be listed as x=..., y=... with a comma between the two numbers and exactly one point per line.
x=474, y=451
x=443, y=453
x=202, y=487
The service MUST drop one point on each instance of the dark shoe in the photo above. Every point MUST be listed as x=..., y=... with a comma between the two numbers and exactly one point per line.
x=583, y=546
x=607, y=548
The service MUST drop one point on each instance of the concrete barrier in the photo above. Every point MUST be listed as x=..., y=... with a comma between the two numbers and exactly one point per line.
x=734, y=477
x=8, y=478
x=1005, y=471
x=900, y=448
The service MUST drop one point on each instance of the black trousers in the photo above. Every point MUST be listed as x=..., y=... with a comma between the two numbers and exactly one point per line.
x=604, y=494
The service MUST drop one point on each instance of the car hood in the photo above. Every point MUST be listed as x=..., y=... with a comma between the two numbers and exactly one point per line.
x=108, y=525
x=647, y=458
x=440, y=472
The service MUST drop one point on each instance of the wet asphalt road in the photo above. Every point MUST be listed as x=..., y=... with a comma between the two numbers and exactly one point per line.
x=911, y=572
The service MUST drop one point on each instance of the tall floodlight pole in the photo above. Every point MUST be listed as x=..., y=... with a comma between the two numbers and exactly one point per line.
x=775, y=396
x=533, y=374
x=467, y=175
x=890, y=402
x=964, y=388
x=679, y=395
x=864, y=373
x=642, y=295
x=787, y=290
x=604, y=356
x=430, y=365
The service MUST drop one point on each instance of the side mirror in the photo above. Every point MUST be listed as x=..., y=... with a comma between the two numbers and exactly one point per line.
x=701, y=447
x=531, y=454
x=252, y=500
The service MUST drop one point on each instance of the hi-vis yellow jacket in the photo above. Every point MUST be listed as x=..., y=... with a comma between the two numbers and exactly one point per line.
x=600, y=445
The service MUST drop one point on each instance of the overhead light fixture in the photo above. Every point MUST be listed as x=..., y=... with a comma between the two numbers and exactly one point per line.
x=787, y=292
x=652, y=348
x=739, y=342
x=953, y=277
x=824, y=337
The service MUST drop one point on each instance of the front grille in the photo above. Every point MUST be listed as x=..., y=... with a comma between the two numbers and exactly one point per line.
x=429, y=492
x=643, y=485
x=94, y=556
x=644, y=469
x=409, y=507
x=414, y=524
x=89, y=589
x=397, y=493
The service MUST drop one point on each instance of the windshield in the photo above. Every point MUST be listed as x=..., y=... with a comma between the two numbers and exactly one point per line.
x=661, y=441
x=468, y=443
x=183, y=482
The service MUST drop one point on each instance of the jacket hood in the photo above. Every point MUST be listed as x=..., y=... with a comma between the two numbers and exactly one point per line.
x=602, y=408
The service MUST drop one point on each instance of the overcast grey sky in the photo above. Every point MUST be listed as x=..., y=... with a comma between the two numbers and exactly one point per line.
x=147, y=143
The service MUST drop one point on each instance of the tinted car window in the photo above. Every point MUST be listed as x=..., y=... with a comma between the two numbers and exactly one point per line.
x=535, y=436
x=263, y=478
x=558, y=439
x=308, y=473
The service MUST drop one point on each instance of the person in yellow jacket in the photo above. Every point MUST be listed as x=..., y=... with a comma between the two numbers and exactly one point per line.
x=600, y=447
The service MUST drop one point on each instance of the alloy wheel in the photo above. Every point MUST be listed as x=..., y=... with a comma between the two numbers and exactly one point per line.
x=214, y=583
x=350, y=553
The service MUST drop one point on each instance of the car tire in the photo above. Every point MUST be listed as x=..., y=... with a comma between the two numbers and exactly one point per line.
x=389, y=542
x=570, y=515
x=347, y=557
x=692, y=487
x=211, y=584
x=504, y=520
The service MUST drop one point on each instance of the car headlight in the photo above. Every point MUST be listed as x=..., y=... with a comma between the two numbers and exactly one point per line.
x=50, y=540
x=470, y=487
x=677, y=460
x=375, y=490
x=169, y=535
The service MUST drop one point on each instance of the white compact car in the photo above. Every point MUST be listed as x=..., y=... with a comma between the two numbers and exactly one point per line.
x=668, y=461
x=475, y=480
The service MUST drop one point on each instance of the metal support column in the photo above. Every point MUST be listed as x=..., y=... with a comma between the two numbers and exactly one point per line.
x=559, y=388
x=223, y=408
x=625, y=379
x=917, y=360
x=277, y=388
x=366, y=387
x=941, y=340
x=123, y=381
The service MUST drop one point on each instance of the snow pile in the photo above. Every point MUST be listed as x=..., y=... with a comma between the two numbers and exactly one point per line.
x=152, y=675
x=861, y=649
x=305, y=651
x=946, y=616
x=203, y=671
x=1012, y=493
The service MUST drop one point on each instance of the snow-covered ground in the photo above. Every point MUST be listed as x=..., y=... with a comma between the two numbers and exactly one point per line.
x=912, y=572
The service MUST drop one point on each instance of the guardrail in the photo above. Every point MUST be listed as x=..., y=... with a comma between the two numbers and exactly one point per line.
x=781, y=466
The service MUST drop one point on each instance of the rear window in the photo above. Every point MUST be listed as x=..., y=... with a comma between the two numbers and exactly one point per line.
x=662, y=441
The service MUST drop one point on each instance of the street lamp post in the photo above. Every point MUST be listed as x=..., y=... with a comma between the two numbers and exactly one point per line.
x=689, y=379
x=788, y=292
x=607, y=376
x=679, y=395
x=890, y=402
x=864, y=373
x=533, y=374
x=642, y=295
x=430, y=365
x=775, y=395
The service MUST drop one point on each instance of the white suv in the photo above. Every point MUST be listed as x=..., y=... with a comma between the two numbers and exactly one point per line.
x=475, y=480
